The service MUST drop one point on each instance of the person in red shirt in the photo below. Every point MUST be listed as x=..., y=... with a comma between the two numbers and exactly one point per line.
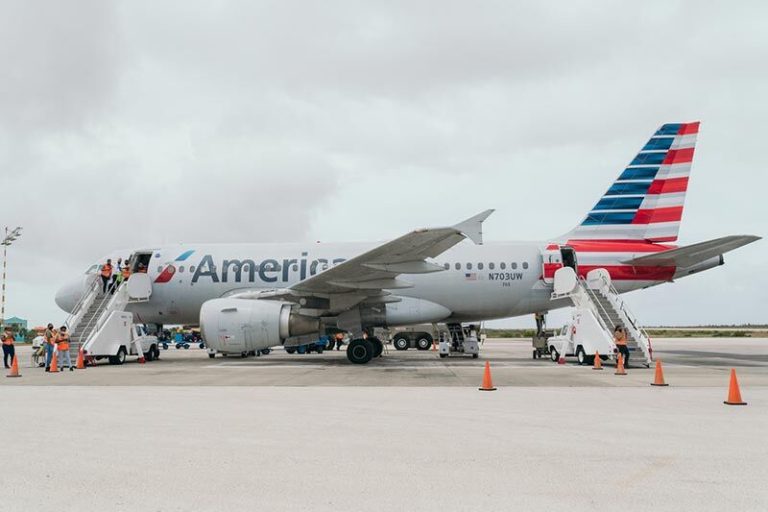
x=8, y=349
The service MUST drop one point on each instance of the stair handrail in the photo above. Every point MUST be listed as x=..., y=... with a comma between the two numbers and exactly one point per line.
x=596, y=304
x=104, y=308
x=80, y=305
x=621, y=306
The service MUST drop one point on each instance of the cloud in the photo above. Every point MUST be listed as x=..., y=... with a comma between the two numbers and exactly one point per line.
x=132, y=124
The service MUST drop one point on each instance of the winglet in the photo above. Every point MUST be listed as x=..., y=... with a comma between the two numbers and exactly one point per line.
x=472, y=228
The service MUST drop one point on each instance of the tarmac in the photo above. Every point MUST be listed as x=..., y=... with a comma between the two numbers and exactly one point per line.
x=408, y=432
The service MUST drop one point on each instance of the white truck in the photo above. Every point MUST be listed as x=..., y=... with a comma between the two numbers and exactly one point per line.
x=582, y=337
x=116, y=341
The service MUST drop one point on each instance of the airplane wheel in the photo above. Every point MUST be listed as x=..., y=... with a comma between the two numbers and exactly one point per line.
x=424, y=342
x=378, y=347
x=401, y=342
x=360, y=351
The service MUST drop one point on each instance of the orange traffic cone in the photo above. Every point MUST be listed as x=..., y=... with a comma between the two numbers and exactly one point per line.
x=598, y=362
x=734, y=394
x=14, y=368
x=620, y=366
x=54, y=362
x=658, y=379
x=487, y=382
x=80, y=360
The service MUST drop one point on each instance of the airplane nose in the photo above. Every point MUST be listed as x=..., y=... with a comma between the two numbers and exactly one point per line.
x=68, y=295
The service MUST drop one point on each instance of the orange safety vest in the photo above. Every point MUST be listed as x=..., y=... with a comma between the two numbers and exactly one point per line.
x=142, y=270
x=63, y=341
x=126, y=272
x=620, y=339
x=106, y=270
x=7, y=340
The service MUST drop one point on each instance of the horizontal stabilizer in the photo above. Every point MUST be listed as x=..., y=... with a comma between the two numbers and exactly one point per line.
x=690, y=255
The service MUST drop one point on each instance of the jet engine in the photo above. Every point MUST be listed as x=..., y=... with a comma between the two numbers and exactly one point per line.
x=242, y=325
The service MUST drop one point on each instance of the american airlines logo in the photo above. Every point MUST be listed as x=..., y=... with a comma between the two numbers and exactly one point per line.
x=249, y=271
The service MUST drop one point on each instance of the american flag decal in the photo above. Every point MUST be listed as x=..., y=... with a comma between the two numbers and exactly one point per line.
x=471, y=276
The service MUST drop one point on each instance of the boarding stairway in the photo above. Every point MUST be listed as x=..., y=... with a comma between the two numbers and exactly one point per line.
x=95, y=307
x=597, y=293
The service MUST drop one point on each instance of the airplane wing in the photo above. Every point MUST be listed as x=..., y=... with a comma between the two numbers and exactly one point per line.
x=690, y=255
x=373, y=272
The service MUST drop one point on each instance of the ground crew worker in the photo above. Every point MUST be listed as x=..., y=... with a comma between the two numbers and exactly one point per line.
x=49, y=336
x=142, y=268
x=125, y=273
x=339, y=340
x=620, y=339
x=8, y=349
x=106, y=275
x=62, y=345
x=115, y=273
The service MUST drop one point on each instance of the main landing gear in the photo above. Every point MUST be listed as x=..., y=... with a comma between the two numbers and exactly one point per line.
x=362, y=350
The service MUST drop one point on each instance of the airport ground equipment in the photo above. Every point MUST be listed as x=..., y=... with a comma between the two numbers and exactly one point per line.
x=413, y=337
x=539, y=341
x=103, y=329
x=598, y=309
x=459, y=341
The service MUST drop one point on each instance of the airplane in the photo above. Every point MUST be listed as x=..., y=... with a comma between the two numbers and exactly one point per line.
x=253, y=296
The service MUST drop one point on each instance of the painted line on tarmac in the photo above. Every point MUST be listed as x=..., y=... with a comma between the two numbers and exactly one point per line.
x=387, y=367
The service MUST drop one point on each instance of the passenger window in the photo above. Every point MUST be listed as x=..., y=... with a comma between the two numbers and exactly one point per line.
x=295, y=268
x=159, y=269
x=491, y=265
x=191, y=268
x=446, y=266
x=181, y=269
x=469, y=266
x=513, y=266
x=458, y=266
x=479, y=266
x=503, y=265
x=525, y=264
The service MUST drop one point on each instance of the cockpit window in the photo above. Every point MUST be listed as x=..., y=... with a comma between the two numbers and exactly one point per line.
x=92, y=269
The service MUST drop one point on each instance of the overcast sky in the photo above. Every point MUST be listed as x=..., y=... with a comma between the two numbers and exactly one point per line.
x=128, y=124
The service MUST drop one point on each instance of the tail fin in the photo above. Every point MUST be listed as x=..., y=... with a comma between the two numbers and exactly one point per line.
x=646, y=201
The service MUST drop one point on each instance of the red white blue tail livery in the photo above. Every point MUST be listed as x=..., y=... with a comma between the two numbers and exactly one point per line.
x=646, y=201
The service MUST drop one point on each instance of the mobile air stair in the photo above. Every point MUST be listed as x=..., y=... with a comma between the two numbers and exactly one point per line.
x=599, y=307
x=100, y=320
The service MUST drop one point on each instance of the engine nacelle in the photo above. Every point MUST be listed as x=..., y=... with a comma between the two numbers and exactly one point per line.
x=242, y=325
x=411, y=311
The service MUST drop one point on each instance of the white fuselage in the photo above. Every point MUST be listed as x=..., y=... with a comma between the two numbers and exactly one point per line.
x=481, y=282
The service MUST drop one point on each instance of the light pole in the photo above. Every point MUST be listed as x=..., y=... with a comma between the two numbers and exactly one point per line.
x=7, y=241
